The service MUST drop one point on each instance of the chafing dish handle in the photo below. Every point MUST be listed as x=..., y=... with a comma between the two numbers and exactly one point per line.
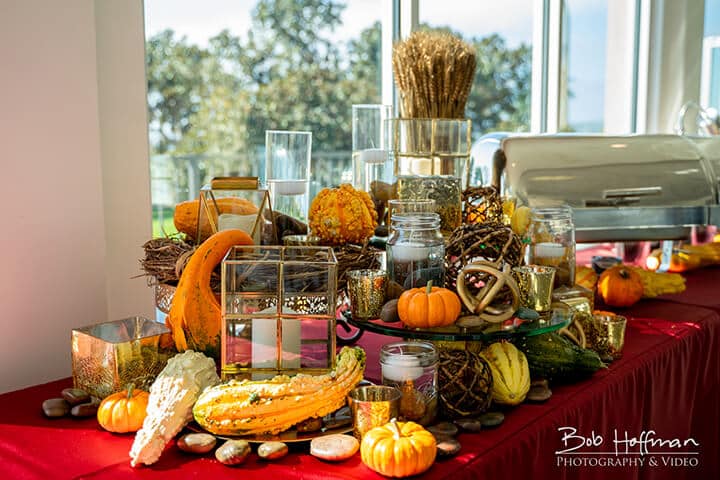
x=631, y=192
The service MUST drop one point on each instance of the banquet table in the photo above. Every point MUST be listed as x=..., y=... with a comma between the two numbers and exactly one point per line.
x=663, y=393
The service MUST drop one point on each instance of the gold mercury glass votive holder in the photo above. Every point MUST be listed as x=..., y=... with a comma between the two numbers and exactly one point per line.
x=612, y=333
x=373, y=406
x=366, y=289
x=106, y=357
x=536, y=285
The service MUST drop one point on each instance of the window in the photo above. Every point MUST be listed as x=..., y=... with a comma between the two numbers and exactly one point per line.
x=710, y=80
x=221, y=74
x=583, y=65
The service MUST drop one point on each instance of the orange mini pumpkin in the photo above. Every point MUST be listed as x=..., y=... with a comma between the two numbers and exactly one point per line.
x=428, y=306
x=398, y=449
x=123, y=411
x=620, y=286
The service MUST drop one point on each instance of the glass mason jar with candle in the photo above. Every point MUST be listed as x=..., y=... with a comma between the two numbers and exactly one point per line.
x=411, y=367
x=416, y=250
x=552, y=242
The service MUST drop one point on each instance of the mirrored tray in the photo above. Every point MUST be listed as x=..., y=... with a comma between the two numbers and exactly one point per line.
x=559, y=317
x=341, y=417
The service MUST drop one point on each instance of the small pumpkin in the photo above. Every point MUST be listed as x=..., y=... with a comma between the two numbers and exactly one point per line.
x=342, y=215
x=398, y=449
x=620, y=286
x=510, y=372
x=124, y=411
x=427, y=307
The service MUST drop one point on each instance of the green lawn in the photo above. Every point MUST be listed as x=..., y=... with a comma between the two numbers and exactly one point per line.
x=163, y=221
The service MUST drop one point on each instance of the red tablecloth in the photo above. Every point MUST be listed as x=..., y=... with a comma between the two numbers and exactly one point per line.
x=668, y=381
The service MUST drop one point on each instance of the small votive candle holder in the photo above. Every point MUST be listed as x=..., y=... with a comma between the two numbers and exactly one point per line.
x=611, y=330
x=373, y=406
x=536, y=286
x=106, y=357
x=366, y=289
x=412, y=368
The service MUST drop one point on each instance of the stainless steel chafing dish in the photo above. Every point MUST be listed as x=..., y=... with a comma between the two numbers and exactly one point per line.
x=621, y=188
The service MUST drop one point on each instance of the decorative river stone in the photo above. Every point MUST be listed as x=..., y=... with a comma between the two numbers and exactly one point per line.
x=233, y=452
x=272, y=450
x=75, y=396
x=469, y=424
x=491, y=419
x=444, y=428
x=334, y=447
x=196, y=443
x=448, y=447
x=539, y=394
x=55, y=407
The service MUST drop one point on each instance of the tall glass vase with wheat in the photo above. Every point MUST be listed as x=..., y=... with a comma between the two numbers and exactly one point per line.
x=431, y=140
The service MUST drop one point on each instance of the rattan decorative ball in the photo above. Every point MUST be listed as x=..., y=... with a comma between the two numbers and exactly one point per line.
x=482, y=205
x=493, y=242
x=465, y=383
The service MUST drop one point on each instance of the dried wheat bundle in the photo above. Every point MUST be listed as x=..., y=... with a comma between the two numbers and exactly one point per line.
x=434, y=72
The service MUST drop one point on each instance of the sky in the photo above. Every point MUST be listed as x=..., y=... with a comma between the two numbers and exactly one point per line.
x=512, y=18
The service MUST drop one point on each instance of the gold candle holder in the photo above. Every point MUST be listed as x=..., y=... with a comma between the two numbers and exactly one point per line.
x=366, y=289
x=536, y=285
x=611, y=333
x=373, y=406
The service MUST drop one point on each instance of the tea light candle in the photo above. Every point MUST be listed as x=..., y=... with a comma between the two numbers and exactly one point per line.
x=373, y=155
x=289, y=187
x=400, y=368
x=410, y=252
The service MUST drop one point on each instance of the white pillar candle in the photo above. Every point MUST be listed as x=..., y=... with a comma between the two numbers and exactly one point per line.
x=373, y=155
x=410, y=252
x=400, y=368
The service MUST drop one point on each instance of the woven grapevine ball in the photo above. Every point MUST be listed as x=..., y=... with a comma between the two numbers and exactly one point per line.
x=465, y=383
x=493, y=242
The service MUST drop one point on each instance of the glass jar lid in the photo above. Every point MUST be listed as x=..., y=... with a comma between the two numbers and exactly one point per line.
x=416, y=221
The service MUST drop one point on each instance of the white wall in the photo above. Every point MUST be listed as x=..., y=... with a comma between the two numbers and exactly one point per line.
x=69, y=238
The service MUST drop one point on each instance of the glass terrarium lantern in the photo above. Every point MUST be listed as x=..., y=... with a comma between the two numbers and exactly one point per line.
x=432, y=160
x=106, y=357
x=278, y=311
x=236, y=203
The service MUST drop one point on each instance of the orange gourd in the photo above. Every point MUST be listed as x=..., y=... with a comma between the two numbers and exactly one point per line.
x=586, y=277
x=186, y=214
x=195, y=314
x=428, y=306
x=620, y=286
x=124, y=411
x=342, y=215
x=398, y=449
